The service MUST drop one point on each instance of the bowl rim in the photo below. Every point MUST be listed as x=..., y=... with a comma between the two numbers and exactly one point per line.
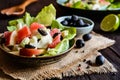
x=40, y=57
x=87, y=19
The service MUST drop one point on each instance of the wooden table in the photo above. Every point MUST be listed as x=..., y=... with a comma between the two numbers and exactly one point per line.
x=112, y=53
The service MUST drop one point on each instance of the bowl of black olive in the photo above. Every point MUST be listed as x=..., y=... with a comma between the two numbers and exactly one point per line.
x=83, y=25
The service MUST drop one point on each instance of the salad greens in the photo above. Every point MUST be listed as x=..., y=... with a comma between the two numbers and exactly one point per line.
x=64, y=44
x=46, y=17
x=93, y=4
x=61, y=47
x=19, y=23
x=28, y=19
x=56, y=24
x=71, y=31
x=110, y=0
x=114, y=5
x=81, y=5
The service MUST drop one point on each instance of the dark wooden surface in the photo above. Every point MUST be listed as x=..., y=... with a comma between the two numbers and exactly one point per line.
x=112, y=53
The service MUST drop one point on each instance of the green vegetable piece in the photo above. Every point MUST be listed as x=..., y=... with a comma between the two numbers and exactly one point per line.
x=114, y=6
x=62, y=46
x=24, y=41
x=79, y=5
x=45, y=54
x=110, y=0
x=71, y=30
x=56, y=24
x=15, y=24
x=51, y=52
x=46, y=15
x=71, y=33
x=11, y=28
x=28, y=19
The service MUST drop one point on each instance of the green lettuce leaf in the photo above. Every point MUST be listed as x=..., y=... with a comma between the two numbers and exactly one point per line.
x=115, y=5
x=46, y=15
x=61, y=47
x=56, y=24
x=51, y=52
x=18, y=23
x=71, y=33
x=64, y=44
x=11, y=28
x=71, y=30
x=110, y=1
x=28, y=19
x=79, y=5
x=15, y=24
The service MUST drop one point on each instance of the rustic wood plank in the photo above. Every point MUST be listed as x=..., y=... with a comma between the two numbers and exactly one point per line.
x=84, y=77
x=115, y=60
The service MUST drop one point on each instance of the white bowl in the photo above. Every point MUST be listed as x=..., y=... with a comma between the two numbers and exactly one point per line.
x=80, y=30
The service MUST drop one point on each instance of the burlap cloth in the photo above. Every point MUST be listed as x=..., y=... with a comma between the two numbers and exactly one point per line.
x=75, y=63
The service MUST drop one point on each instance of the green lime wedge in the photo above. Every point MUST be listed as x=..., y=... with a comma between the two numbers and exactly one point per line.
x=110, y=23
x=119, y=17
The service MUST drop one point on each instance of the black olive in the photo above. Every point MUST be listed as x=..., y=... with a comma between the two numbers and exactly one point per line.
x=49, y=27
x=87, y=37
x=100, y=60
x=75, y=24
x=68, y=19
x=80, y=23
x=65, y=23
x=38, y=40
x=42, y=32
x=61, y=37
x=74, y=18
x=55, y=35
x=29, y=46
x=80, y=43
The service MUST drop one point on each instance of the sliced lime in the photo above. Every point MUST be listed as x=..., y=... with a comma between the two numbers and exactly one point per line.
x=119, y=17
x=110, y=23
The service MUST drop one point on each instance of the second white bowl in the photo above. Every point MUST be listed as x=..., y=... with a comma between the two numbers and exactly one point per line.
x=80, y=30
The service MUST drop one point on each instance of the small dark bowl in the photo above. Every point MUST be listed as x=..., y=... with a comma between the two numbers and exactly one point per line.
x=35, y=61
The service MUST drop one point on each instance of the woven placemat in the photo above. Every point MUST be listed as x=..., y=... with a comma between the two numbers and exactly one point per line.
x=67, y=66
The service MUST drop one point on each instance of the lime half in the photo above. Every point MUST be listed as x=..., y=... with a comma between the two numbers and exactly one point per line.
x=119, y=17
x=110, y=23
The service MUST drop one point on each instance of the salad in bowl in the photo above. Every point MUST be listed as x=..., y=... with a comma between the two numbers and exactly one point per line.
x=40, y=37
x=91, y=4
